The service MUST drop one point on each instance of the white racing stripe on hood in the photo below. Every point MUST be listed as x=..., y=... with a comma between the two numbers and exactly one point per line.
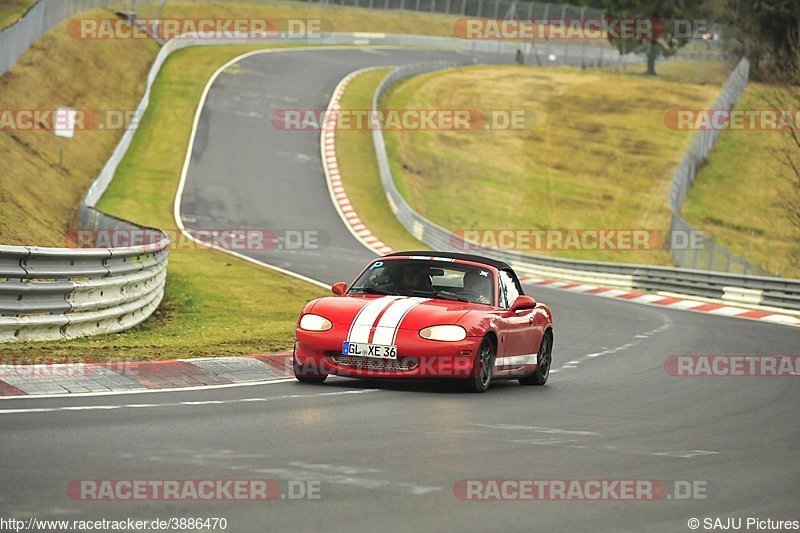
x=387, y=327
x=362, y=324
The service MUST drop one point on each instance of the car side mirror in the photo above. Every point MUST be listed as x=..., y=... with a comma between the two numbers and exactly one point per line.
x=339, y=288
x=522, y=303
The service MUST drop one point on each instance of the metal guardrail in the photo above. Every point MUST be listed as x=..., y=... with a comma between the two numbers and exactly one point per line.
x=735, y=288
x=55, y=293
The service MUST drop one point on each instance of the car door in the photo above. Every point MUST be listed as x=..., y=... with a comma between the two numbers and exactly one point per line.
x=518, y=326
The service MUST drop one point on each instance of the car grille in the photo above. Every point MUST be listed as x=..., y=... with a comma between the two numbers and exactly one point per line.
x=368, y=363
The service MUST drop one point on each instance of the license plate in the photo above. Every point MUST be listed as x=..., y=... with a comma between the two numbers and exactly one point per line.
x=361, y=349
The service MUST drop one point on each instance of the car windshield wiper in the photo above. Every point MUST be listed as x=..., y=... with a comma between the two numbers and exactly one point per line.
x=368, y=290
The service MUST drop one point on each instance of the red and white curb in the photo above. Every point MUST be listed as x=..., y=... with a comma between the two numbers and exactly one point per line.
x=671, y=302
x=363, y=234
x=140, y=376
x=334, y=178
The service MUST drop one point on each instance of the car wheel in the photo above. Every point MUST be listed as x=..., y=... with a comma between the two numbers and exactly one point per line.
x=542, y=372
x=306, y=376
x=482, y=367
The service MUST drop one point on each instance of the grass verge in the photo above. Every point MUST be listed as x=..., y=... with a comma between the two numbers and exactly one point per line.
x=39, y=197
x=359, y=168
x=12, y=10
x=598, y=155
x=738, y=197
x=333, y=18
x=253, y=311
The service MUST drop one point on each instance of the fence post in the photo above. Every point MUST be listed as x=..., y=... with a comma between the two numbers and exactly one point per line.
x=711, y=257
x=583, y=45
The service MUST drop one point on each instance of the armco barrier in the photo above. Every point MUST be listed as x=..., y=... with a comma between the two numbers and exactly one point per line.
x=55, y=293
x=735, y=288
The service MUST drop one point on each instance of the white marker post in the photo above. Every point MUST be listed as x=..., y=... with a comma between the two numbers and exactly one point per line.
x=64, y=127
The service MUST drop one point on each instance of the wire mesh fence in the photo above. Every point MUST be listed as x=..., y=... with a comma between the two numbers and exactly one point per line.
x=709, y=255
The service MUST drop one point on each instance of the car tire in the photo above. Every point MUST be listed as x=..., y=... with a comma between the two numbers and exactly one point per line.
x=481, y=376
x=545, y=358
x=305, y=376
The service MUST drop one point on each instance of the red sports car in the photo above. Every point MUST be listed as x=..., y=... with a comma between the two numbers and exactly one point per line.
x=427, y=314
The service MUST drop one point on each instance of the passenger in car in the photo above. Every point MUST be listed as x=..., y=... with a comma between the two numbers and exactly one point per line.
x=479, y=288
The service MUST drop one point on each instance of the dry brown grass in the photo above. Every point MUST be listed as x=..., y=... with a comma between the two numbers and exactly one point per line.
x=12, y=10
x=598, y=155
x=38, y=197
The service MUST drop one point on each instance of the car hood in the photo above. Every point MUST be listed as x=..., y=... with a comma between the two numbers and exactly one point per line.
x=399, y=311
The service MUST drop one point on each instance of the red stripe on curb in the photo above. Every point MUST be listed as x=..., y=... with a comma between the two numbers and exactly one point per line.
x=597, y=290
x=10, y=390
x=707, y=307
x=630, y=295
x=755, y=314
x=280, y=362
x=667, y=301
x=168, y=374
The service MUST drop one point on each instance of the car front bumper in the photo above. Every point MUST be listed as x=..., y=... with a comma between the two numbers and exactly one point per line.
x=318, y=353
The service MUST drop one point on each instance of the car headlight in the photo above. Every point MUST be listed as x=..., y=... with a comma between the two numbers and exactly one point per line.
x=444, y=333
x=311, y=322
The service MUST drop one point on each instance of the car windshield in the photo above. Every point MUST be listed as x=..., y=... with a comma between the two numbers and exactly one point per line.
x=432, y=279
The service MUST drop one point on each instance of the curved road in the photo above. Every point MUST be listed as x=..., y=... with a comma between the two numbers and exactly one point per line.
x=387, y=455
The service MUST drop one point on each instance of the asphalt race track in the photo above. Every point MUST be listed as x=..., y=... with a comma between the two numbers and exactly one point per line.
x=246, y=173
x=387, y=455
